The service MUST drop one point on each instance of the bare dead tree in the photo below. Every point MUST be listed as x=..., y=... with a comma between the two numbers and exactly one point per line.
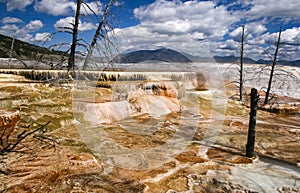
x=252, y=123
x=104, y=27
x=101, y=32
x=239, y=67
x=273, y=68
x=241, y=64
x=71, y=63
x=14, y=54
x=17, y=144
x=12, y=47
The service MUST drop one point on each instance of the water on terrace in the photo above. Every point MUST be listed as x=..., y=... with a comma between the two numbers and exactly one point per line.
x=169, y=129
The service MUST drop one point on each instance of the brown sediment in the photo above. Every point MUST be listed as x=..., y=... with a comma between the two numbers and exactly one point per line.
x=73, y=167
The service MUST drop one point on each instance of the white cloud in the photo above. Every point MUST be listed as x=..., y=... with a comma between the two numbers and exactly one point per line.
x=203, y=19
x=25, y=37
x=13, y=30
x=229, y=45
x=7, y=20
x=297, y=40
x=9, y=28
x=17, y=4
x=251, y=30
x=289, y=47
x=21, y=32
x=291, y=36
x=193, y=27
x=140, y=37
x=255, y=28
x=64, y=23
x=34, y=25
x=42, y=37
x=272, y=8
x=68, y=21
x=196, y=25
x=188, y=26
x=55, y=7
x=85, y=26
x=94, y=5
x=119, y=3
x=67, y=7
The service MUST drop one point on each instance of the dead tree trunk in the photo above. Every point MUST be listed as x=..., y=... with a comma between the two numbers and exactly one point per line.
x=273, y=68
x=241, y=64
x=98, y=33
x=71, y=63
x=252, y=123
x=11, y=48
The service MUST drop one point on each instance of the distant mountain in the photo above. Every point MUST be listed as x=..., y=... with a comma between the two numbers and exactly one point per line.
x=233, y=59
x=24, y=51
x=163, y=55
x=294, y=63
x=168, y=55
x=198, y=58
x=281, y=62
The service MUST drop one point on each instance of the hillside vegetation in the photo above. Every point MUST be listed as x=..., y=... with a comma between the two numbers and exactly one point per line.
x=26, y=51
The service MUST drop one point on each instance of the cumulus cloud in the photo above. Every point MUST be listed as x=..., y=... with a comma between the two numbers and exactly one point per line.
x=42, y=37
x=21, y=32
x=188, y=26
x=288, y=37
x=203, y=19
x=94, y=5
x=25, y=37
x=67, y=7
x=9, y=28
x=193, y=25
x=13, y=30
x=64, y=23
x=7, y=20
x=140, y=37
x=271, y=8
x=184, y=26
x=229, y=45
x=34, y=25
x=264, y=44
x=17, y=4
x=251, y=30
x=68, y=21
x=55, y=7
x=291, y=36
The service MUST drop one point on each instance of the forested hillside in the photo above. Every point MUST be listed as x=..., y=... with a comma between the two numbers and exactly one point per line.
x=23, y=50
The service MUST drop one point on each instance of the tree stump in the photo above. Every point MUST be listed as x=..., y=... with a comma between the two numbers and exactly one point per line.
x=252, y=123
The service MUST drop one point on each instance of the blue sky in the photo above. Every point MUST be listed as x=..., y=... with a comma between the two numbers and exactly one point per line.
x=188, y=26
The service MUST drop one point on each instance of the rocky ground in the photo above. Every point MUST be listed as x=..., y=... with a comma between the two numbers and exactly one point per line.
x=68, y=165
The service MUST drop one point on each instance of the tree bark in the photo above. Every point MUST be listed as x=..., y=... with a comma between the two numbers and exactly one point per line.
x=252, y=124
x=71, y=63
x=273, y=68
